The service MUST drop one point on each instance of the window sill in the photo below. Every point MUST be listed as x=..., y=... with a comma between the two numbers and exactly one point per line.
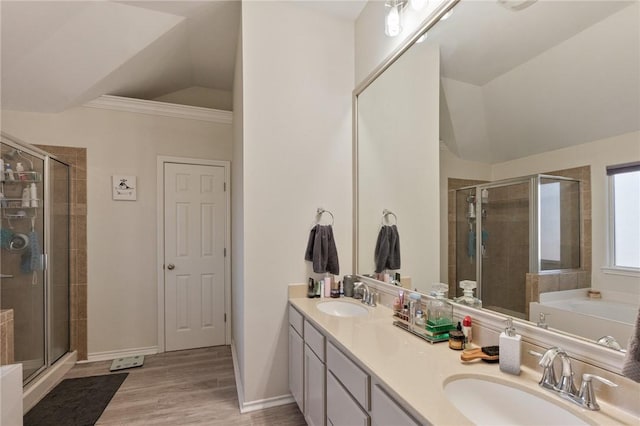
x=616, y=270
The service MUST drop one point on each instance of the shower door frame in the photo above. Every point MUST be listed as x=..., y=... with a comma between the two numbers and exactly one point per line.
x=534, y=221
x=46, y=208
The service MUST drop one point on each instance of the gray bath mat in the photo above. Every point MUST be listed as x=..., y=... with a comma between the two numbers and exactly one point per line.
x=127, y=362
x=75, y=402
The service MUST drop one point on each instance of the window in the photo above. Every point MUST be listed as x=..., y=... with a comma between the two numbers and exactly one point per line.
x=624, y=216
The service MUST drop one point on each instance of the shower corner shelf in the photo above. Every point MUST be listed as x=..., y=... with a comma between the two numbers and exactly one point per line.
x=29, y=177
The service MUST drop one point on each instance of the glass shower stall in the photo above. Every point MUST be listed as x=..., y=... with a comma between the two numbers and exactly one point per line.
x=34, y=253
x=507, y=229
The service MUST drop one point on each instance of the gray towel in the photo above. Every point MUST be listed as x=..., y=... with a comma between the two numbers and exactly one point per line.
x=631, y=364
x=321, y=250
x=387, y=251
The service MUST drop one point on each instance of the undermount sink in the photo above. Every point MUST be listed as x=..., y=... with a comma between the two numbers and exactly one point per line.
x=487, y=402
x=342, y=309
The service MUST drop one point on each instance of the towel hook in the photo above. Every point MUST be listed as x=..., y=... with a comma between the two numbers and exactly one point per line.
x=319, y=213
x=386, y=213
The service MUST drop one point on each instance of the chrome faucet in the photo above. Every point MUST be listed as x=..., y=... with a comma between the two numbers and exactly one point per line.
x=609, y=342
x=368, y=297
x=565, y=386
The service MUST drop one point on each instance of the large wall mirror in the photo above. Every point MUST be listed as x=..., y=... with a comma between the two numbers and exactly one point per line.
x=482, y=155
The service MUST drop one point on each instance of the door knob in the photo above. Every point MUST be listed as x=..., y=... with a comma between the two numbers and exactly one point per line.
x=171, y=266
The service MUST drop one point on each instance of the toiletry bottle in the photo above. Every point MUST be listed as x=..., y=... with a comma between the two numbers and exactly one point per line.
x=3, y=200
x=467, y=297
x=467, y=331
x=311, y=289
x=20, y=171
x=33, y=195
x=322, y=287
x=327, y=286
x=510, y=349
x=9, y=172
x=414, y=306
x=25, y=197
x=1, y=170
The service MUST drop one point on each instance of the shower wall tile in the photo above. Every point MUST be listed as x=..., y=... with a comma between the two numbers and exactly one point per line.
x=568, y=281
x=6, y=337
x=548, y=283
x=77, y=159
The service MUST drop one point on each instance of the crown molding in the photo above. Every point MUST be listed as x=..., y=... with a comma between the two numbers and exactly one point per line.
x=139, y=106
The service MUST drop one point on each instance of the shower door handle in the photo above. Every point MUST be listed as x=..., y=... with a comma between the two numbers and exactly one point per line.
x=6, y=276
x=171, y=266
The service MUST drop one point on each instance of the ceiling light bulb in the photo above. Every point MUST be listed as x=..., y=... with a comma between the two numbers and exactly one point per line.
x=418, y=4
x=392, y=25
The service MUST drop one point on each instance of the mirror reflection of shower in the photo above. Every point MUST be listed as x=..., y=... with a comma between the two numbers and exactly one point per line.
x=512, y=230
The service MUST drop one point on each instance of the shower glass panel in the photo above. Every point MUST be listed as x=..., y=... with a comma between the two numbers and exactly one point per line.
x=59, y=259
x=510, y=228
x=22, y=286
x=34, y=254
x=559, y=224
x=465, y=238
x=505, y=247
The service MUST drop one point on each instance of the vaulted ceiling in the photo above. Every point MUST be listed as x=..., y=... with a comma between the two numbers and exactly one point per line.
x=556, y=74
x=60, y=54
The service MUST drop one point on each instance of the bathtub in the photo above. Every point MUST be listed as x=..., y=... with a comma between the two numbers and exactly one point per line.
x=572, y=311
x=11, y=395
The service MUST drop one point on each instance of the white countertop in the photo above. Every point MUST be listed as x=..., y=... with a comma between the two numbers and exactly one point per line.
x=416, y=371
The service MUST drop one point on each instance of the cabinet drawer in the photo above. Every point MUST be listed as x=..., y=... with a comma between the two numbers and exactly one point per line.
x=386, y=411
x=295, y=319
x=350, y=375
x=314, y=339
x=342, y=409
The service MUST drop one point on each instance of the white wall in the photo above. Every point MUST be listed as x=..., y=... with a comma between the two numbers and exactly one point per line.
x=298, y=77
x=598, y=154
x=237, y=215
x=372, y=46
x=398, y=149
x=122, y=287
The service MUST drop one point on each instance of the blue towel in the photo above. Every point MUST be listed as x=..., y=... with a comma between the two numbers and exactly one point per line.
x=471, y=244
x=31, y=259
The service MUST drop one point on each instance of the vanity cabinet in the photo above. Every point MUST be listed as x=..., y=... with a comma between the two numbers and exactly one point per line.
x=314, y=376
x=296, y=357
x=296, y=367
x=386, y=411
x=336, y=389
x=342, y=409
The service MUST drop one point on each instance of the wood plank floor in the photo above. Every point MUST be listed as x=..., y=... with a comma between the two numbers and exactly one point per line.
x=194, y=387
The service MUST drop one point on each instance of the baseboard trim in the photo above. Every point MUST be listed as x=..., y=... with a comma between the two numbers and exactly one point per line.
x=109, y=355
x=260, y=404
x=236, y=375
x=37, y=389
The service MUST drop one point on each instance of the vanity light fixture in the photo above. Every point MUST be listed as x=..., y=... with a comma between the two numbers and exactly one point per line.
x=393, y=17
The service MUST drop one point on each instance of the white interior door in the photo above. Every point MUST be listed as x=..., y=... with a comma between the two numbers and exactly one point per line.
x=194, y=251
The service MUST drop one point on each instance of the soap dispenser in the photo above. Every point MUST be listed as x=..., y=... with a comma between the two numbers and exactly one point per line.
x=467, y=297
x=510, y=349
